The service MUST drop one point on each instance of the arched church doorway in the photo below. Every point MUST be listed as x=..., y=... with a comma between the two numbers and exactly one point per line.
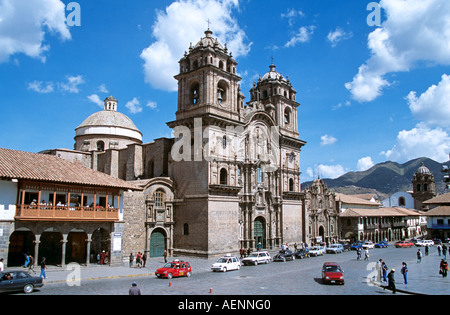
x=20, y=243
x=322, y=233
x=260, y=232
x=157, y=243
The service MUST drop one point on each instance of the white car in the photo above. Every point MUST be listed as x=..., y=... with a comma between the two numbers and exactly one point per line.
x=368, y=245
x=317, y=251
x=335, y=249
x=257, y=258
x=226, y=263
x=424, y=243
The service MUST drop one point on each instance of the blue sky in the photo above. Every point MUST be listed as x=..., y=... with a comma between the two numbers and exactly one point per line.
x=368, y=93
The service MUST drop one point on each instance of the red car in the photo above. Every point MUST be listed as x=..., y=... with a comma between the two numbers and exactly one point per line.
x=176, y=268
x=403, y=244
x=332, y=273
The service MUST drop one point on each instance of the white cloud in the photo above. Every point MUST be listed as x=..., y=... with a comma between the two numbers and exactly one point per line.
x=330, y=171
x=94, y=98
x=152, y=105
x=414, y=31
x=102, y=88
x=291, y=15
x=327, y=140
x=41, y=87
x=71, y=84
x=185, y=21
x=364, y=163
x=433, y=106
x=419, y=142
x=134, y=106
x=302, y=36
x=24, y=24
x=334, y=37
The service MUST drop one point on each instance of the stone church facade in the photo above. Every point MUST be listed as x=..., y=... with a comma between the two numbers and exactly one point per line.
x=230, y=178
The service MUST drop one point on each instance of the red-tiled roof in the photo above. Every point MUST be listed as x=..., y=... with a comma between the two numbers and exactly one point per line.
x=42, y=167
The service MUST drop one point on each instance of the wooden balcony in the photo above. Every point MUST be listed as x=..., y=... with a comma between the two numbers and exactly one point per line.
x=49, y=213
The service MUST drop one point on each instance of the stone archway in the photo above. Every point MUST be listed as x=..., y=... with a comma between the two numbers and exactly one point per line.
x=21, y=242
x=158, y=243
x=259, y=232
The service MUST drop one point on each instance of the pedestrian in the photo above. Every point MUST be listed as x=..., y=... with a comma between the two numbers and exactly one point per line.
x=131, y=260
x=138, y=260
x=366, y=254
x=31, y=264
x=379, y=269
x=2, y=266
x=384, y=267
x=444, y=251
x=144, y=259
x=43, y=267
x=419, y=256
x=27, y=260
x=358, y=253
x=134, y=290
x=404, y=272
x=165, y=256
x=439, y=249
x=426, y=250
x=443, y=268
x=102, y=257
x=391, y=283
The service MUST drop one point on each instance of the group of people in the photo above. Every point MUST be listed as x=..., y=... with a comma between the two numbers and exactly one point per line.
x=140, y=258
x=384, y=277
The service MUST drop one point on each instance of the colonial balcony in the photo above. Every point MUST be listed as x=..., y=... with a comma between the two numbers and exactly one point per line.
x=64, y=213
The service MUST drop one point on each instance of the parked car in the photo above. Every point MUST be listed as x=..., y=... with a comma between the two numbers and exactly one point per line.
x=284, y=255
x=368, y=245
x=401, y=244
x=335, y=249
x=346, y=245
x=356, y=245
x=176, y=268
x=301, y=253
x=316, y=251
x=18, y=280
x=421, y=243
x=227, y=263
x=257, y=258
x=382, y=244
x=437, y=241
x=332, y=273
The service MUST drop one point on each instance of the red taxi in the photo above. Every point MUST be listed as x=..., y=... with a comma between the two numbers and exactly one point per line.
x=401, y=244
x=174, y=269
x=332, y=273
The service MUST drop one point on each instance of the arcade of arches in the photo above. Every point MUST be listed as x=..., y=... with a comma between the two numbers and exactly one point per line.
x=60, y=244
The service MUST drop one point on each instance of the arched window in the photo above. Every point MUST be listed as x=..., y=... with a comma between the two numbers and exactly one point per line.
x=186, y=229
x=287, y=116
x=224, y=142
x=223, y=177
x=195, y=93
x=222, y=89
x=418, y=187
x=100, y=146
x=401, y=201
x=425, y=187
x=291, y=184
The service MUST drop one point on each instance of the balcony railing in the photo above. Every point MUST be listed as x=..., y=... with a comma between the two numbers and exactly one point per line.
x=57, y=213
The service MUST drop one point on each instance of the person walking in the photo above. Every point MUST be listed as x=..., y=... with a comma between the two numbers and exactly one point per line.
x=2, y=265
x=43, y=267
x=134, y=290
x=444, y=251
x=439, y=249
x=391, y=283
x=443, y=268
x=384, y=267
x=144, y=259
x=165, y=256
x=379, y=269
x=366, y=254
x=419, y=256
x=27, y=260
x=131, y=260
x=31, y=264
x=404, y=272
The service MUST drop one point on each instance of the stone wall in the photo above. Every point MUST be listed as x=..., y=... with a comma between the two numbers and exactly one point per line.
x=134, y=232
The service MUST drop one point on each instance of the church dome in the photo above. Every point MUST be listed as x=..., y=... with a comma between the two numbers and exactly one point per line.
x=273, y=75
x=209, y=41
x=106, y=129
x=423, y=170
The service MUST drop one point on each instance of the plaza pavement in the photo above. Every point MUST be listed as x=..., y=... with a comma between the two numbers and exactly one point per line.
x=423, y=278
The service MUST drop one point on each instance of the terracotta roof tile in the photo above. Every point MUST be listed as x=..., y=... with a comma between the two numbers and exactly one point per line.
x=42, y=167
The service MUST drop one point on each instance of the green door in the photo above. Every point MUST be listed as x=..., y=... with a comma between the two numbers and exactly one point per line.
x=259, y=232
x=157, y=244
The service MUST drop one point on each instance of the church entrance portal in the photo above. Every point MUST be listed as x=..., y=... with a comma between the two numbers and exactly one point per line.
x=157, y=243
x=260, y=232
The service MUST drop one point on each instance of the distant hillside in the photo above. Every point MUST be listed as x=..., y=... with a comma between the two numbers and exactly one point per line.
x=385, y=178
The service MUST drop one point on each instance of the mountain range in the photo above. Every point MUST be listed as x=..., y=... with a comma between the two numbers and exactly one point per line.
x=385, y=178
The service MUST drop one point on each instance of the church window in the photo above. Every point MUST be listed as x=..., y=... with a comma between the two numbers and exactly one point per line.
x=265, y=93
x=287, y=116
x=418, y=187
x=100, y=146
x=222, y=92
x=291, y=184
x=425, y=187
x=186, y=229
x=195, y=93
x=159, y=198
x=401, y=201
x=221, y=66
x=224, y=142
x=259, y=175
x=223, y=177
